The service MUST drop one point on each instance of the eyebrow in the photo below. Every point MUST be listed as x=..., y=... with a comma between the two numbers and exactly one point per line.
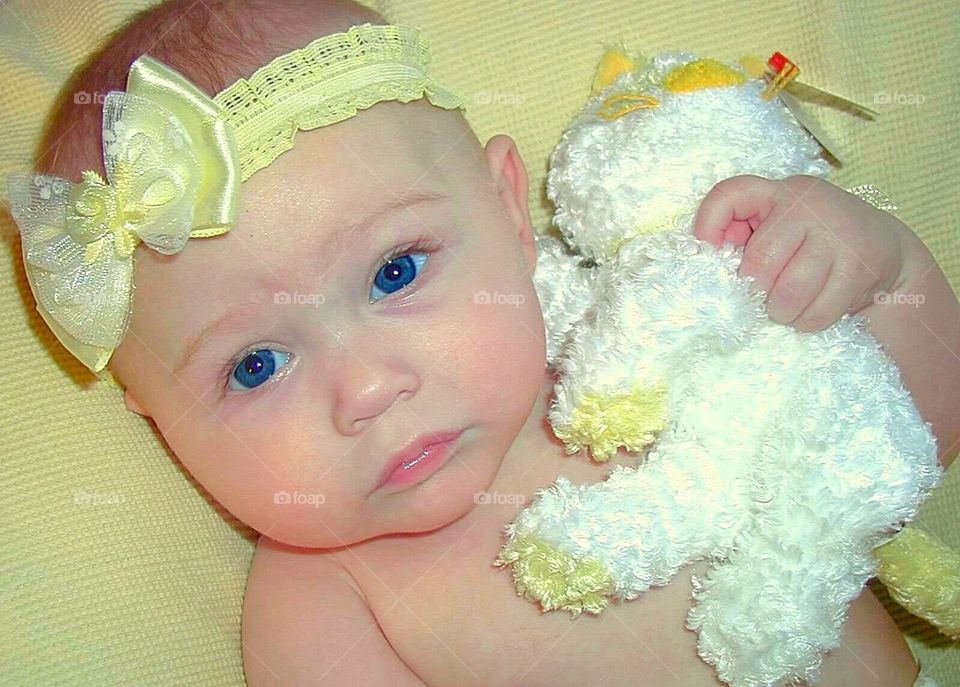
x=240, y=315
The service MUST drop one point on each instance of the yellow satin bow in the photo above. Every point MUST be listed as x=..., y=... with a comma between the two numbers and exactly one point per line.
x=173, y=173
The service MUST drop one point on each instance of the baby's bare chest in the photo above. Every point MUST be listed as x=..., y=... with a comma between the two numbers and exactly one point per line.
x=455, y=619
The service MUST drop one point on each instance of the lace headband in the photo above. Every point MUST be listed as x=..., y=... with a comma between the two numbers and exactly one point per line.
x=174, y=160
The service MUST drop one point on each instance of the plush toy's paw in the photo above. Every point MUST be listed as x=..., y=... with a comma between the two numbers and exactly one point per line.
x=554, y=578
x=922, y=574
x=659, y=308
x=603, y=423
x=577, y=544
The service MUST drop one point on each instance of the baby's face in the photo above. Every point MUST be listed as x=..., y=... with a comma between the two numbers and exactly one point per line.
x=309, y=388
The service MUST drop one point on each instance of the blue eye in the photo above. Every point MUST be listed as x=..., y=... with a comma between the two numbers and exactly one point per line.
x=257, y=367
x=397, y=273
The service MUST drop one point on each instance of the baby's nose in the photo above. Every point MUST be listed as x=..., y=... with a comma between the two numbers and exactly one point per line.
x=366, y=388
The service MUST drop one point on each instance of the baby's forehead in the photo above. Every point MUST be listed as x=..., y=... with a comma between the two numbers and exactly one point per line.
x=333, y=174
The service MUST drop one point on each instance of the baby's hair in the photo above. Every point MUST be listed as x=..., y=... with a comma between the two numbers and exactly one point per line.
x=213, y=43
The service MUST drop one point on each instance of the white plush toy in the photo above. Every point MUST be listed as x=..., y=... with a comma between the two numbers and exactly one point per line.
x=784, y=456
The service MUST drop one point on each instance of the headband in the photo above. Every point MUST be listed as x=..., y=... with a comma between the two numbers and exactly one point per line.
x=174, y=160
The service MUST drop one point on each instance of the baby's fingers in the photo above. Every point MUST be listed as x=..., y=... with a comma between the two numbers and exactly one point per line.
x=800, y=283
x=734, y=208
x=838, y=296
x=771, y=247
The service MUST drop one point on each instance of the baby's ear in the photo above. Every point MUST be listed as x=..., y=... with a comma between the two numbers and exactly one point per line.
x=510, y=182
x=133, y=405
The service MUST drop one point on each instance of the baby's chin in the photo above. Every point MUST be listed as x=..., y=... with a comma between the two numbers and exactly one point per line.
x=415, y=515
x=448, y=494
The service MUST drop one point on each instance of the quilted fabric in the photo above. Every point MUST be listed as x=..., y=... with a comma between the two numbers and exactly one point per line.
x=117, y=568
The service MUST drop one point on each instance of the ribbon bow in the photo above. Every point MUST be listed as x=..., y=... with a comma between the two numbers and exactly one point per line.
x=172, y=174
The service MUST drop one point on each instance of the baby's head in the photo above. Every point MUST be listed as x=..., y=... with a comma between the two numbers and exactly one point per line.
x=283, y=356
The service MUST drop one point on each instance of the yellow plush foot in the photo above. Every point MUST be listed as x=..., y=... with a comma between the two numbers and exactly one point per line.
x=922, y=574
x=543, y=573
x=603, y=422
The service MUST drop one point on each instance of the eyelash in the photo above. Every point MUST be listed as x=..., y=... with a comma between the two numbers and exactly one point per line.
x=419, y=245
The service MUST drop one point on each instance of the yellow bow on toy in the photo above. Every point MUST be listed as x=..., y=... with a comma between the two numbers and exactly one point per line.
x=173, y=173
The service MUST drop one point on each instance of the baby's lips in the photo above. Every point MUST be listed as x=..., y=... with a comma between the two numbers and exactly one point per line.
x=413, y=450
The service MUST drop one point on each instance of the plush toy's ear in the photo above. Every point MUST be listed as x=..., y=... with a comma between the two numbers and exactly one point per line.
x=615, y=61
x=699, y=74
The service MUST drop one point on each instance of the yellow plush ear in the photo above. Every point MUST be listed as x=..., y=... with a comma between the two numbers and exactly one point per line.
x=615, y=61
x=699, y=74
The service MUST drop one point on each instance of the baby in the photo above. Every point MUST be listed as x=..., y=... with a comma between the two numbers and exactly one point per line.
x=327, y=371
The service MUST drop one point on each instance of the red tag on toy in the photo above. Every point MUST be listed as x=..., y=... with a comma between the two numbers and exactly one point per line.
x=781, y=75
x=779, y=72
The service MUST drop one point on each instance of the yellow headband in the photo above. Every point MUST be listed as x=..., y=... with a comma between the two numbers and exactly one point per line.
x=174, y=160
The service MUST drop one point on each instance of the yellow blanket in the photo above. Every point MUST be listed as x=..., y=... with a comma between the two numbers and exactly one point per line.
x=116, y=568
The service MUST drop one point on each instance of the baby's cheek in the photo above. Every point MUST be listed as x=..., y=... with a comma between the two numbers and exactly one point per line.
x=502, y=341
x=247, y=464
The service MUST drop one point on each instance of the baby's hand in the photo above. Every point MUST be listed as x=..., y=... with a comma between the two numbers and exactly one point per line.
x=816, y=250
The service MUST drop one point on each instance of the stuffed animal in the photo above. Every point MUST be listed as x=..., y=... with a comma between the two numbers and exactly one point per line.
x=785, y=457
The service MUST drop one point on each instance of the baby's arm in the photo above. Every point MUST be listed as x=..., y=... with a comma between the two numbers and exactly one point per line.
x=820, y=252
x=924, y=339
x=305, y=624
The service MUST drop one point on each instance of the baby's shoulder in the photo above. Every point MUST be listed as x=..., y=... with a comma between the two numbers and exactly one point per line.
x=277, y=566
x=289, y=586
x=294, y=598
